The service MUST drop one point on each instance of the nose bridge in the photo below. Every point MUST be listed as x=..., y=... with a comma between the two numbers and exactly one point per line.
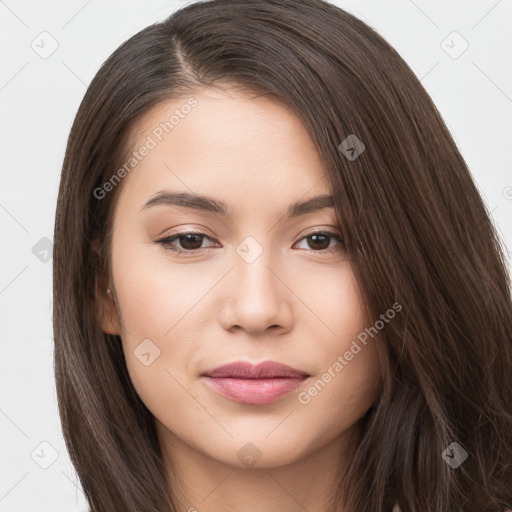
x=253, y=278
x=256, y=295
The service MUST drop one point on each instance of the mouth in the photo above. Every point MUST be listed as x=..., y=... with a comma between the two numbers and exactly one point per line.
x=261, y=384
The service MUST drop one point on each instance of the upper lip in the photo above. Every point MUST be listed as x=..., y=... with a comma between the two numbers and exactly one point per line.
x=245, y=370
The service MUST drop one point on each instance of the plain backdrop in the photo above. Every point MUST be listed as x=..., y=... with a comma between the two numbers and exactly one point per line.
x=39, y=96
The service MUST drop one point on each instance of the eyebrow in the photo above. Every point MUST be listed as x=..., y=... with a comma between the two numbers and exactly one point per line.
x=211, y=205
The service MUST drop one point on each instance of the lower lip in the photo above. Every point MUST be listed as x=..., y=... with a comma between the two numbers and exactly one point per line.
x=254, y=391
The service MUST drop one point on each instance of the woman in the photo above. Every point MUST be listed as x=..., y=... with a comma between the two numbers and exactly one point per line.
x=276, y=286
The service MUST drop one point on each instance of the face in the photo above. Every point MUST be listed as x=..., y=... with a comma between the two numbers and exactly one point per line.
x=256, y=282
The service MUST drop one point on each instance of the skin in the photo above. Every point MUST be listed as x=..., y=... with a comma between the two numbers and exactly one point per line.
x=297, y=303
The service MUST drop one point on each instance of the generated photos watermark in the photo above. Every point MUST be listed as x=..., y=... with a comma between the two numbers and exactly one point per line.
x=157, y=135
x=305, y=397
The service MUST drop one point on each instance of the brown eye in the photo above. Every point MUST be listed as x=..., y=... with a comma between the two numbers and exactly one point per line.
x=321, y=241
x=188, y=241
x=191, y=241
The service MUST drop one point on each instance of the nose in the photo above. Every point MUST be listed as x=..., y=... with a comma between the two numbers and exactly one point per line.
x=257, y=298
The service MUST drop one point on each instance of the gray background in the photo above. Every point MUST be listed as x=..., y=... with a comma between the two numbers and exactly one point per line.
x=39, y=95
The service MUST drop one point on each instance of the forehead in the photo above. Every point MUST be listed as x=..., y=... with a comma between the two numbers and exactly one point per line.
x=226, y=144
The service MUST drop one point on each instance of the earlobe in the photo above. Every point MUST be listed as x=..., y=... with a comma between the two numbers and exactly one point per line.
x=109, y=317
x=106, y=307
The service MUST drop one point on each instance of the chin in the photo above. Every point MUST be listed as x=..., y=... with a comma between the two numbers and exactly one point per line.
x=258, y=452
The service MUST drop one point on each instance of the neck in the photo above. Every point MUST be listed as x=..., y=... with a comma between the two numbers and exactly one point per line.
x=203, y=484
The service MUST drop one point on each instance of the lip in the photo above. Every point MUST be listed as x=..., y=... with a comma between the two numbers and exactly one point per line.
x=255, y=384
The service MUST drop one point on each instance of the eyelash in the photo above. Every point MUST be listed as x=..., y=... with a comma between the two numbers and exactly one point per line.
x=167, y=240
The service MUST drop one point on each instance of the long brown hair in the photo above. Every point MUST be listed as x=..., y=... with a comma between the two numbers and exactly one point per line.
x=415, y=227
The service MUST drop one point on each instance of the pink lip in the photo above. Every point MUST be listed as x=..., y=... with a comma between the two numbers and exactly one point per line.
x=260, y=384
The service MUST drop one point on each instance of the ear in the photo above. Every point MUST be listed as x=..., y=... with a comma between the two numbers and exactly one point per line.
x=108, y=316
x=106, y=308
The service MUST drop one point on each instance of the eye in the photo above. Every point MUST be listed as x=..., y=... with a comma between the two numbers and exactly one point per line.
x=320, y=241
x=191, y=241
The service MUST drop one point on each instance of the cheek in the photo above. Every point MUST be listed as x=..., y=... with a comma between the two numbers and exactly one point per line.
x=341, y=306
x=154, y=295
x=349, y=376
x=159, y=303
x=336, y=399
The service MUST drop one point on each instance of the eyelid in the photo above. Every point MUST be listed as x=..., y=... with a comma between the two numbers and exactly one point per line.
x=174, y=236
x=326, y=230
x=337, y=235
